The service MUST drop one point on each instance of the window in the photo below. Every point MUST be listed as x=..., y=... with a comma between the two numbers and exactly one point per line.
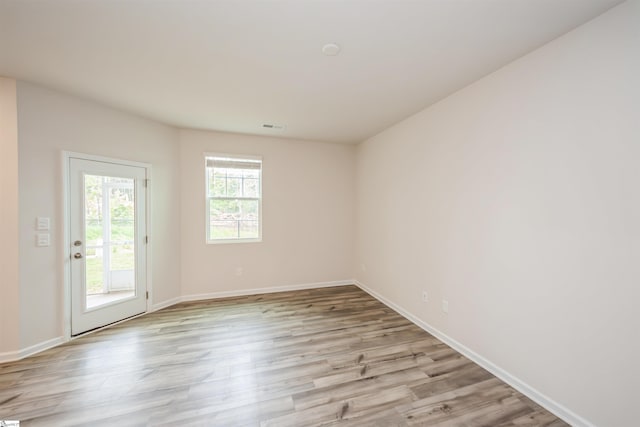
x=234, y=198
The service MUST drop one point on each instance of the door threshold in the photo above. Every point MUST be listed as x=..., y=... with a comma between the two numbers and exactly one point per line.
x=100, y=328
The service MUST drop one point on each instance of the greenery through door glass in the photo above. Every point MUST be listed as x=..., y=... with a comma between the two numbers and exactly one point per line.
x=110, y=230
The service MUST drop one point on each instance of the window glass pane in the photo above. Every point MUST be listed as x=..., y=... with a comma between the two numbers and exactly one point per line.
x=121, y=205
x=217, y=183
x=234, y=191
x=110, y=238
x=224, y=230
x=94, y=266
x=234, y=187
x=234, y=172
x=224, y=210
x=251, y=187
x=248, y=210
x=249, y=230
x=93, y=209
x=122, y=257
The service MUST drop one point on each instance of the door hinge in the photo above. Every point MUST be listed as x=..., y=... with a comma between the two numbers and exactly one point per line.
x=146, y=183
x=146, y=239
x=147, y=294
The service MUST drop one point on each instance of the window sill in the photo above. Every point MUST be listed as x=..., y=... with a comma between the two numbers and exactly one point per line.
x=230, y=241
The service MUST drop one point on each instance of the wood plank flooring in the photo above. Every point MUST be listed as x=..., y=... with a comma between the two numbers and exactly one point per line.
x=322, y=357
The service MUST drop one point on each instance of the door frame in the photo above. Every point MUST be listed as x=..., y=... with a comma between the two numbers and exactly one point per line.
x=66, y=240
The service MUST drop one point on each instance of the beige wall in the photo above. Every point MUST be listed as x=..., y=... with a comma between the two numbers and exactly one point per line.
x=9, y=291
x=308, y=191
x=48, y=123
x=517, y=200
x=308, y=202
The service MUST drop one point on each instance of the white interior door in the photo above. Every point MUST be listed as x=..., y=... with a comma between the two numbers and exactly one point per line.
x=107, y=211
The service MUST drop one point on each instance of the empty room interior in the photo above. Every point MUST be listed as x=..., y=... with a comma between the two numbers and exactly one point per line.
x=301, y=213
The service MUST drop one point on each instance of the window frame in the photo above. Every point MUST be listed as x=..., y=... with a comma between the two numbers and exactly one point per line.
x=209, y=197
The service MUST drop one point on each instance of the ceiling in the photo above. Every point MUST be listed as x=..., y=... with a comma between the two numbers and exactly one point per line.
x=236, y=65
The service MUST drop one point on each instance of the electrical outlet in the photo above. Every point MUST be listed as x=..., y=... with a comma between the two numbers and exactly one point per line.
x=425, y=296
x=445, y=306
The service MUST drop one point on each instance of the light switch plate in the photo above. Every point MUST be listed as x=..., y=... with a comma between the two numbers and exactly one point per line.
x=42, y=223
x=43, y=239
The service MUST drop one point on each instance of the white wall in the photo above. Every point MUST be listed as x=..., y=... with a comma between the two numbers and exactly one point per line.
x=517, y=199
x=48, y=123
x=9, y=293
x=308, y=192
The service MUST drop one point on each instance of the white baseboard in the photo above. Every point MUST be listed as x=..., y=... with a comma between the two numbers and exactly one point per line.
x=12, y=356
x=549, y=404
x=165, y=304
x=254, y=291
x=9, y=356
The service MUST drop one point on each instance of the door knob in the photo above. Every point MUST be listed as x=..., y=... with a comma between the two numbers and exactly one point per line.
x=77, y=243
x=77, y=255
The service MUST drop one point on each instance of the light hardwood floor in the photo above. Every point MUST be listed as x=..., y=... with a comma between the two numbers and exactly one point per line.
x=332, y=356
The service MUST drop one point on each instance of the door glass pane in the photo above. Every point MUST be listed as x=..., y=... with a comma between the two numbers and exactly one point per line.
x=109, y=212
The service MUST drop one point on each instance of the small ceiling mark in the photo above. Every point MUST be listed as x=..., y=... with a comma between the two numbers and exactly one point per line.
x=330, y=49
x=272, y=126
